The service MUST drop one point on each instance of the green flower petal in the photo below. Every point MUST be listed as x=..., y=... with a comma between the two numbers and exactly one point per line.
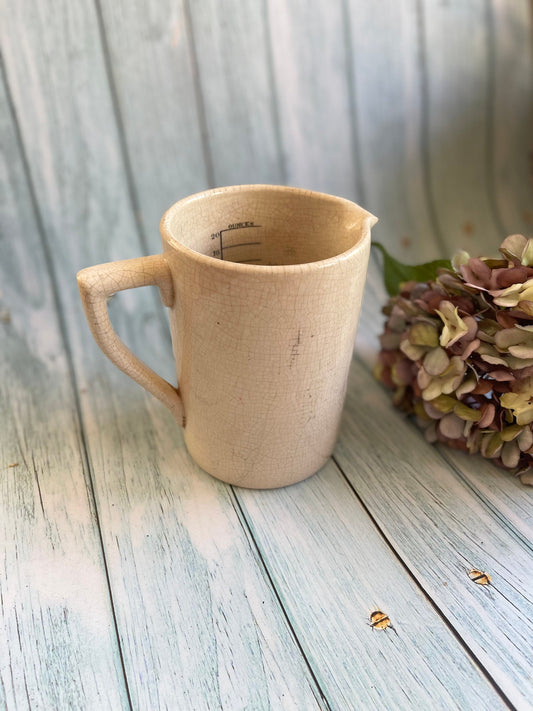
x=467, y=413
x=423, y=334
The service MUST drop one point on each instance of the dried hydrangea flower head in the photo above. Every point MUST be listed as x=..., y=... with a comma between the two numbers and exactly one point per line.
x=457, y=352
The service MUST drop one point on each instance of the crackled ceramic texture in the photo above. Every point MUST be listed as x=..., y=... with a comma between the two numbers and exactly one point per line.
x=264, y=286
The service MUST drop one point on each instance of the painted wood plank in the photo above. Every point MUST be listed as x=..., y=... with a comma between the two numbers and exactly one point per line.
x=58, y=645
x=458, y=57
x=441, y=531
x=122, y=402
x=332, y=570
x=388, y=97
x=510, y=500
x=199, y=624
x=152, y=70
x=310, y=63
x=231, y=45
x=511, y=31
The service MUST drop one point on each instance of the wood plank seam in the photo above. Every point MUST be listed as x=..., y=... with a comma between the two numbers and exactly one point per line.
x=424, y=134
x=239, y=113
x=117, y=115
x=462, y=563
x=84, y=452
x=441, y=449
x=199, y=96
x=447, y=457
x=241, y=515
x=354, y=130
x=422, y=589
x=489, y=112
x=123, y=147
x=275, y=93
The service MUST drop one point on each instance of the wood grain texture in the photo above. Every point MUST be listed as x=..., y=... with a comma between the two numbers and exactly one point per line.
x=439, y=127
x=56, y=72
x=58, y=645
x=153, y=73
x=458, y=58
x=310, y=62
x=332, y=569
x=231, y=46
x=199, y=624
x=508, y=498
x=511, y=32
x=387, y=82
x=441, y=531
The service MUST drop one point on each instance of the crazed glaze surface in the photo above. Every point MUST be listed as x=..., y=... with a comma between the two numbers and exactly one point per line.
x=264, y=286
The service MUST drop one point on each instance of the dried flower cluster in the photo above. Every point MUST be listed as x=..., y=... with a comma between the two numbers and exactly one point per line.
x=458, y=353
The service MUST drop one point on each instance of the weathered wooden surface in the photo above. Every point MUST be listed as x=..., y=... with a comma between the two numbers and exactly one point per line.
x=194, y=630
x=152, y=68
x=423, y=506
x=232, y=51
x=330, y=565
x=313, y=98
x=130, y=578
x=58, y=643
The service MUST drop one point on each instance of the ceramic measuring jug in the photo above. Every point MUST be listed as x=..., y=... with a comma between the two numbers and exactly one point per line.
x=264, y=286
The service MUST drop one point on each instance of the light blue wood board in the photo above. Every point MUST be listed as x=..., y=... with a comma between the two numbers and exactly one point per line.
x=332, y=570
x=458, y=60
x=441, y=531
x=510, y=500
x=91, y=180
x=389, y=116
x=235, y=82
x=511, y=32
x=58, y=643
x=152, y=68
x=310, y=62
x=198, y=623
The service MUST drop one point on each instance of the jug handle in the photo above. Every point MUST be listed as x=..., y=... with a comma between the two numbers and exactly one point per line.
x=96, y=285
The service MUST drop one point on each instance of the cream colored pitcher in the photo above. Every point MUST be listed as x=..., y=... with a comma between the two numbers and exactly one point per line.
x=264, y=286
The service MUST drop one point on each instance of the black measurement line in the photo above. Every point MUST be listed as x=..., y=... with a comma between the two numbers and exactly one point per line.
x=245, y=261
x=239, y=227
x=241, y=244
